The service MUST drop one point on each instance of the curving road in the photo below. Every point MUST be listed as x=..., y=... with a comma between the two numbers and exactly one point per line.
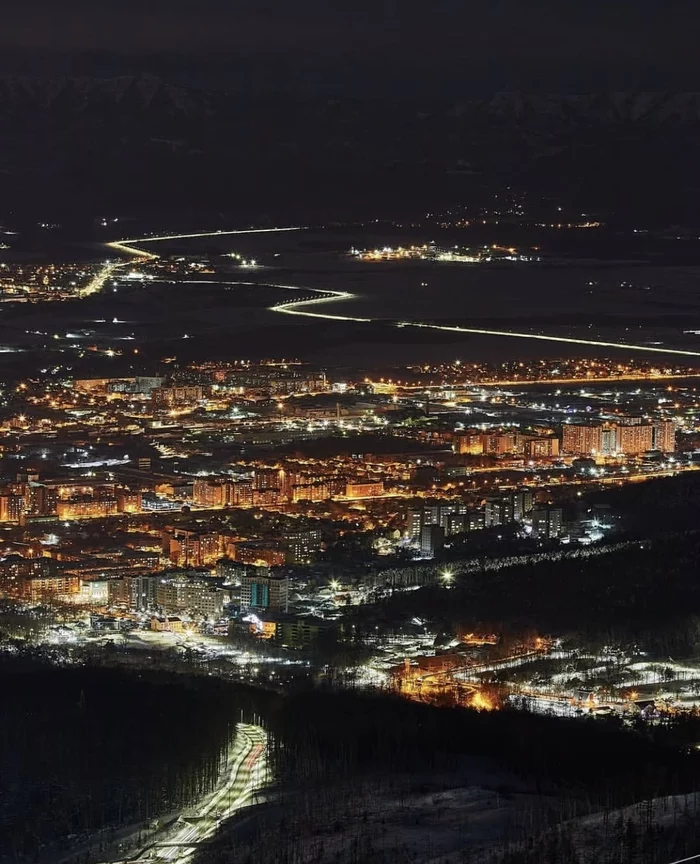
x=245, y=774
x=299, y=307
x=293, y=308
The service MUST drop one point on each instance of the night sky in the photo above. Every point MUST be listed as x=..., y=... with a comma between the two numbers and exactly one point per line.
x=550, y=45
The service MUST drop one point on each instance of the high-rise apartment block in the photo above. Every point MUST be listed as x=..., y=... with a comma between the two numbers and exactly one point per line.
x=541, y=448
x=448, y=515
x=137, y=593
x=630, y=437
x=432, y=539
x=11, y=508
x=579, y=440
x=504, y=509
x=499, y=444
x=547, y=522
x=665, y=436
x=186, y=548
x=371, y=489
x=209, y=493
x=264, y=592
x=636, y=439
x=469, y=443
x=302, y=546
x=188, y=396
x=498, y=511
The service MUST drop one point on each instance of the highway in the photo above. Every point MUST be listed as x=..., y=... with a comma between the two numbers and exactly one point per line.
x=246, y=773
x=293, y=308
x=299, y=307
x=547, y=338
x=218, y=233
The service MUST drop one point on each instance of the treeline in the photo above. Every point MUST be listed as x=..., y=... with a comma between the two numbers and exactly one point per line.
x=654, y=832
x=647, y=594
x=340, y=734
x=664, y=505
x=342, y=757
x=84, y=748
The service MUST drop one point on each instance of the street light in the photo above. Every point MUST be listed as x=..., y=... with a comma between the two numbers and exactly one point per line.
x=447, y=577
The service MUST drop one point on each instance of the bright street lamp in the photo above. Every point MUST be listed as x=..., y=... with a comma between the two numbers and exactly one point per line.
x=447, y=577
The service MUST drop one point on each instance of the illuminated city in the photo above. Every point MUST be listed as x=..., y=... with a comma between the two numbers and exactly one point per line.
x=349, y=433
x=290, y=521
x=279, y=522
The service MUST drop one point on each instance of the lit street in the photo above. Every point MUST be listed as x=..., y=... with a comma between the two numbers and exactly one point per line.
x=244, y=776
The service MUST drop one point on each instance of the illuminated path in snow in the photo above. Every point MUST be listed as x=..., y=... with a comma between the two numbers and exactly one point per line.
x=325, y=295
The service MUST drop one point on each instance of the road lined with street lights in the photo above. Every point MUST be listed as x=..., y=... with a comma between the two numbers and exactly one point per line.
x=245, y=774
x=325, y=295
x=293, y=308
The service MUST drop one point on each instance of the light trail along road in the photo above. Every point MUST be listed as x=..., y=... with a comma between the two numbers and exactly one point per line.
x=245, y=773
x=155, y=239
x=292, y=307
x=129, y=247
x=298, y=307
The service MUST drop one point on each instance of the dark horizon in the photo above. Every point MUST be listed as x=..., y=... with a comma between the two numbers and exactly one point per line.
x=363, y=48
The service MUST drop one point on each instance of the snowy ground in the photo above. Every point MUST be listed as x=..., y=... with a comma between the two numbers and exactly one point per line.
x=665, y=830
x=390, y=822
x=461, y=825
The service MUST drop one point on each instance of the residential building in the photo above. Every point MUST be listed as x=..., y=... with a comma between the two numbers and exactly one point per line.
x=546, y=447
x=264, y=592
x=11, y=508
x=498, y=511
x=634, y=440
x=209, y=493
x=580, y=440
x=302, y=546
x=371, y=489
x=137, y=593
x=195, y=597
x=469, y=443
x=432, y=539
x=665, y=436
x=86, y=508
x=547, y=522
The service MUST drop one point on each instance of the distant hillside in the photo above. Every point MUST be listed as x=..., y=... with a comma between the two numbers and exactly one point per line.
x=96, y=143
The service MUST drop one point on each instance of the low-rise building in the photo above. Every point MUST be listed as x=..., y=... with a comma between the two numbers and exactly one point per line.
x=167, y=624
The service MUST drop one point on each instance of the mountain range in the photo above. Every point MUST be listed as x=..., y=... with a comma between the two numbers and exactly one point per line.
x=101, y=143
